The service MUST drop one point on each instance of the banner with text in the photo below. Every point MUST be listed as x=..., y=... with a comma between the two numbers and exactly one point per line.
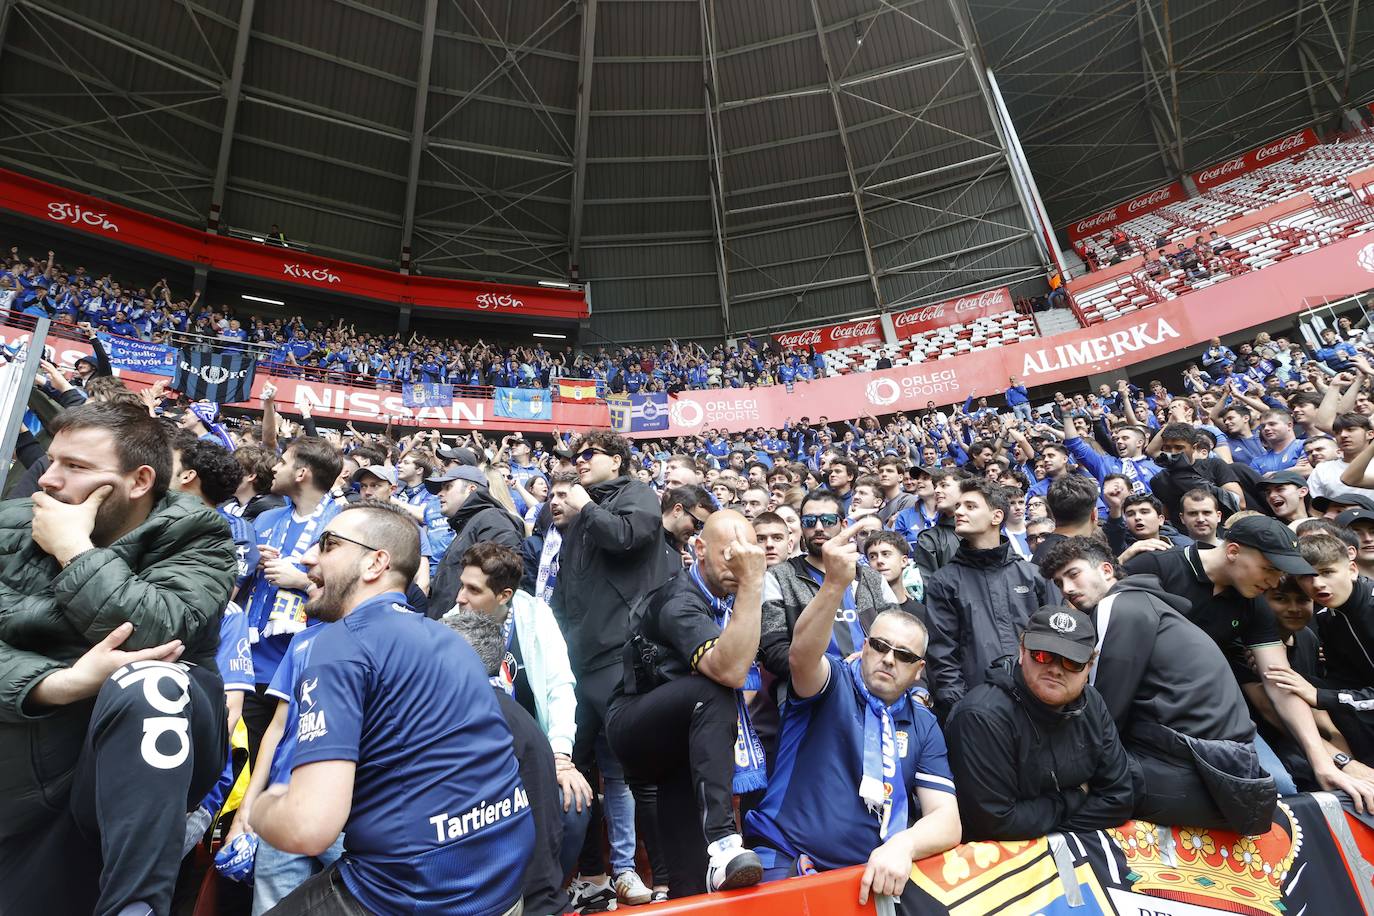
x=1276, y=151
x=1148, y=202
x=1340, y=269
x=941, y=314
x=834, y=336
x=126, y=226
x=139, y=355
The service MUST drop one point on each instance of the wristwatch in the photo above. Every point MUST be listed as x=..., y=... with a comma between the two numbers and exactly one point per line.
x=1340, y=760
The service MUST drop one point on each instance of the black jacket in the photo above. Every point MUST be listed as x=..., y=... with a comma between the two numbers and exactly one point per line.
x=976, y=608
x=480, y=518
x=936, y=546
x=542, y=884
x=612, y=557
x=1347, y=637
x=1155, y=665
x=1019, y=764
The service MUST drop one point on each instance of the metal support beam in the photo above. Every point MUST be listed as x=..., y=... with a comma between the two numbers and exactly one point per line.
x=833, y=84
x=715, y=177
x=5, y=7
x=417, y=131
x=232, y=92
x=1349, y=54
x=1302, y=63
x=585, y=60
x=1170, y=141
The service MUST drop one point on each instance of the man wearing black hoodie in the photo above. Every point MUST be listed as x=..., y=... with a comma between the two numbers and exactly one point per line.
x=978, y=603
x=474, y=516
x=1170, y=691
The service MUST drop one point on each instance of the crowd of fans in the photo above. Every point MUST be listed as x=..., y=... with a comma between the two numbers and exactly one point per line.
x=1163, y=255
x=480, y=674
x=291, y=347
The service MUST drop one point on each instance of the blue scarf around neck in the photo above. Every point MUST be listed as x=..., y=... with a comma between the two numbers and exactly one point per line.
x=883, y=786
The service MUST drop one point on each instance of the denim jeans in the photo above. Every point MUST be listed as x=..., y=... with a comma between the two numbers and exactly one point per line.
x=574, y=832
x=1274, y=767
x=1023, y=412
x=277, y=873
x=619, y=806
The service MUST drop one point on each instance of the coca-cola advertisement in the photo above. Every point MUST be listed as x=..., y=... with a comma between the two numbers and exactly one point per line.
x=1148, y=202
x=833, y=336
x=1274, y=151
x=952, y=311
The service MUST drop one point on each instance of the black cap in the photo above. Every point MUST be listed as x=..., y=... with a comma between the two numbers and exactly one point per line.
x=1272, y=538
x=465, y=472
x=917, y=469
x=1063, y=631
x=1344, y=498
x=1279, y=478
x=1349, y=516
x=464, y=456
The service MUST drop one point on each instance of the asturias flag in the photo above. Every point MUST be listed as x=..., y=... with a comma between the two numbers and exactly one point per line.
x=524, y=404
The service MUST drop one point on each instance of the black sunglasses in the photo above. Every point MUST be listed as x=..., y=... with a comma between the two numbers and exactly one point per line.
x=587, y=454
x=329, y=540
x=882, y=647
x=825, y=518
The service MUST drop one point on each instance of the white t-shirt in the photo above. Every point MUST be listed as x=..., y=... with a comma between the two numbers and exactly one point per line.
x=1325, y=480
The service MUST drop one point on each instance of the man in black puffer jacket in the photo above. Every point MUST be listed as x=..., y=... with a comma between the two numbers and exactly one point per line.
x=977, y=604
x=1033, y=750
x=612, y=557
x=474, y=516
x=112, y=718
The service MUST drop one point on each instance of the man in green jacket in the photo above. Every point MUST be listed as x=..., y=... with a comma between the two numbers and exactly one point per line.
x=112, y=718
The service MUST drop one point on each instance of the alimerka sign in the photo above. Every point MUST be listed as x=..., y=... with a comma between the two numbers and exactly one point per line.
x=1275, y=151
x=1148, y=202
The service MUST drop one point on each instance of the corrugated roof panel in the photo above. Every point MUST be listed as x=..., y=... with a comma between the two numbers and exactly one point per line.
x=645, y=86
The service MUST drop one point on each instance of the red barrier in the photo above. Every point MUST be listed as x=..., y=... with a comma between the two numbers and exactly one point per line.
x=111, y=222
x=942, y=314
x=1148, y=202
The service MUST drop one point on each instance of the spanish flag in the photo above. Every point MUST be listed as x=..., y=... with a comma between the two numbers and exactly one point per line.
x=576, y=389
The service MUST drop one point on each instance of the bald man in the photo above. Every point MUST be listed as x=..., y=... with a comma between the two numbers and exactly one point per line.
x=679, y=713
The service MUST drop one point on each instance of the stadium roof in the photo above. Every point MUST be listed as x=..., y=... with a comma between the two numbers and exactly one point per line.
x=798, y=160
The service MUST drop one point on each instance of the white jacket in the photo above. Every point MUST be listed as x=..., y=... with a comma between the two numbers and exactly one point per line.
x=545, y=656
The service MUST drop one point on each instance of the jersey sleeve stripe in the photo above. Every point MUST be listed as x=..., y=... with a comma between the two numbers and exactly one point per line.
x=701, y=650
x=931, y=781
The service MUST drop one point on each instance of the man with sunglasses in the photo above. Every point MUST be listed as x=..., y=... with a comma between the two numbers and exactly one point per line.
x=611, y=559
x=852, y=593
x=861, y=775
x=1170, y=692
x=685, y=511
x=1034, y=749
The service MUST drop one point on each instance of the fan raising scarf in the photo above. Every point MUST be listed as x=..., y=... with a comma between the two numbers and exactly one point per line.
x=751, y=773
x=883, y=787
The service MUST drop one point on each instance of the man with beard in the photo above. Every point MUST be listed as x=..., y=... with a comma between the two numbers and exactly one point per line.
x=475, y=516
x=275, y=596
x=801, y=582
x=540, y=550
x=612, y=557
x=106, y=740
x=416, y=791
x=1130, y=460
x=1168, y=688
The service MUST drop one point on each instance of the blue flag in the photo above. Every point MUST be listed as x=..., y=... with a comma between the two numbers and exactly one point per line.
x=427, y=394
x=648, y=412
x=139, y=355
x=225, y=378
x=524, y=404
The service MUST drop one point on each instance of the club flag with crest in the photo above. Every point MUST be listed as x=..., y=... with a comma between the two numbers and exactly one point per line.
x=576, y=389
x=427, y=394
x=225, y=378
x=524, y=404
x=648, y=412
x=621, y=408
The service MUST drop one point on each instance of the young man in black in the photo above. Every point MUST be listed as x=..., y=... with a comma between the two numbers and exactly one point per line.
x=1220, y=585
